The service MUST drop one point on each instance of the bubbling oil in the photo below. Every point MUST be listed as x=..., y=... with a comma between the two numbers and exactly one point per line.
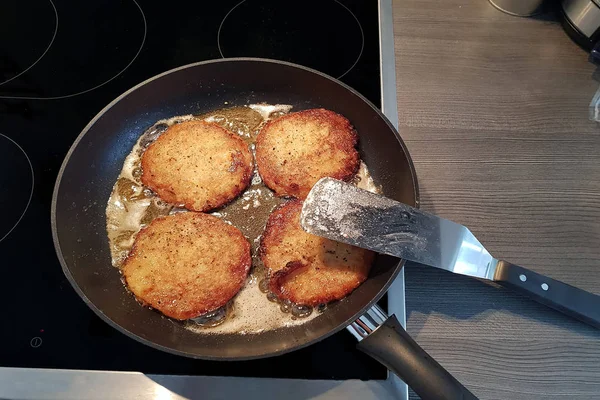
x=132, y=206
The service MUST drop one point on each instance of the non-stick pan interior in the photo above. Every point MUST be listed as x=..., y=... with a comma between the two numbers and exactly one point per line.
x=94, y=162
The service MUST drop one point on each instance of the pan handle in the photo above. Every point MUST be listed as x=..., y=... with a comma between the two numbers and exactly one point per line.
x=384, y=339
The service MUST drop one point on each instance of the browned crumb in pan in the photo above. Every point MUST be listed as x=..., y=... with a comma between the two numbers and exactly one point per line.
x=197, y=164
x=308, y=269
x=294, y=151
x=187, y=264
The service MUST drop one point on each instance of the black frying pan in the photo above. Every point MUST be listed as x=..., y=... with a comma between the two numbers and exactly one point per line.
x=94, y=161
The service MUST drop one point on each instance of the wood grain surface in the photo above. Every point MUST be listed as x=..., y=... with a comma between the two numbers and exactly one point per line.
x=494, y=110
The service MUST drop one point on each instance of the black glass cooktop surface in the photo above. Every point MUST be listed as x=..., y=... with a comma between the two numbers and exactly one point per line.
x=61, y=62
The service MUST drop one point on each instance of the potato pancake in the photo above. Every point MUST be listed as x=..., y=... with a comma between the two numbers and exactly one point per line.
x=187, y=264
x=308, y=269
x=197, y=164
x=296, y=150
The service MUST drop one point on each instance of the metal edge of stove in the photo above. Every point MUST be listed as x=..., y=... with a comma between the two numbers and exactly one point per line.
x=389, y=107
x=28, y=383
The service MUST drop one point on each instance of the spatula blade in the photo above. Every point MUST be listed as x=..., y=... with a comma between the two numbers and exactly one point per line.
x=342, y=212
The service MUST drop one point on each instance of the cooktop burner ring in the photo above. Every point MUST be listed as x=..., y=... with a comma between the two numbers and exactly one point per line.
x=139, y=50
x=353, y=64
x=4, y=235
x=44, y=52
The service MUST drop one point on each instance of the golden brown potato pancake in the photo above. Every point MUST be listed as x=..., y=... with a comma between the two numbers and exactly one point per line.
x=308, y=269
x=187, y=264
x=198, y=165
x=294, y=151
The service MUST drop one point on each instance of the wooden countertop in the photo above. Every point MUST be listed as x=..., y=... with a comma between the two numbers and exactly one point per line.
x=494, y=110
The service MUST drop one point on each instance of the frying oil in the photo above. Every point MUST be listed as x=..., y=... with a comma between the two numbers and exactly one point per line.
x=132, y=206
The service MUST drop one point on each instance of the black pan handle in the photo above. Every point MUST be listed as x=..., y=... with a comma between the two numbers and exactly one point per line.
x=385, y=340
x=568, y=299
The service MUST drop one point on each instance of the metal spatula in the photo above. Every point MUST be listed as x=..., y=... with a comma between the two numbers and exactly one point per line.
x=340, y=211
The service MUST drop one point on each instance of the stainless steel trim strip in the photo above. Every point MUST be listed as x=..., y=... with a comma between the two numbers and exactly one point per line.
x=387, y=60
x=389, y=106
x=46, y=384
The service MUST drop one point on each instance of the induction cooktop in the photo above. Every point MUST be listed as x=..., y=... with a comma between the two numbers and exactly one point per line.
x=61, y=62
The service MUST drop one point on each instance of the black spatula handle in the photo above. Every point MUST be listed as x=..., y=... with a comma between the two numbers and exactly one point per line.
x=392, y=346
x=570, y=300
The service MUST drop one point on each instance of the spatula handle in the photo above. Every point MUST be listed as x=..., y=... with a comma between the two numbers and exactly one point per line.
x=570, y=300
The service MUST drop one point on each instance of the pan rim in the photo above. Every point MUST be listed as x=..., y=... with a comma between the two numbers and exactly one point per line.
x=147, y=342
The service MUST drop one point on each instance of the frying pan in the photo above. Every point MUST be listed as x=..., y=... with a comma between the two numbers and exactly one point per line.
x=95, y=159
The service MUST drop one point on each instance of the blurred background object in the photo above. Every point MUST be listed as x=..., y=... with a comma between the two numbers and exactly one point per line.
x=595, y=107
x=519, y=8
x=581, y=20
